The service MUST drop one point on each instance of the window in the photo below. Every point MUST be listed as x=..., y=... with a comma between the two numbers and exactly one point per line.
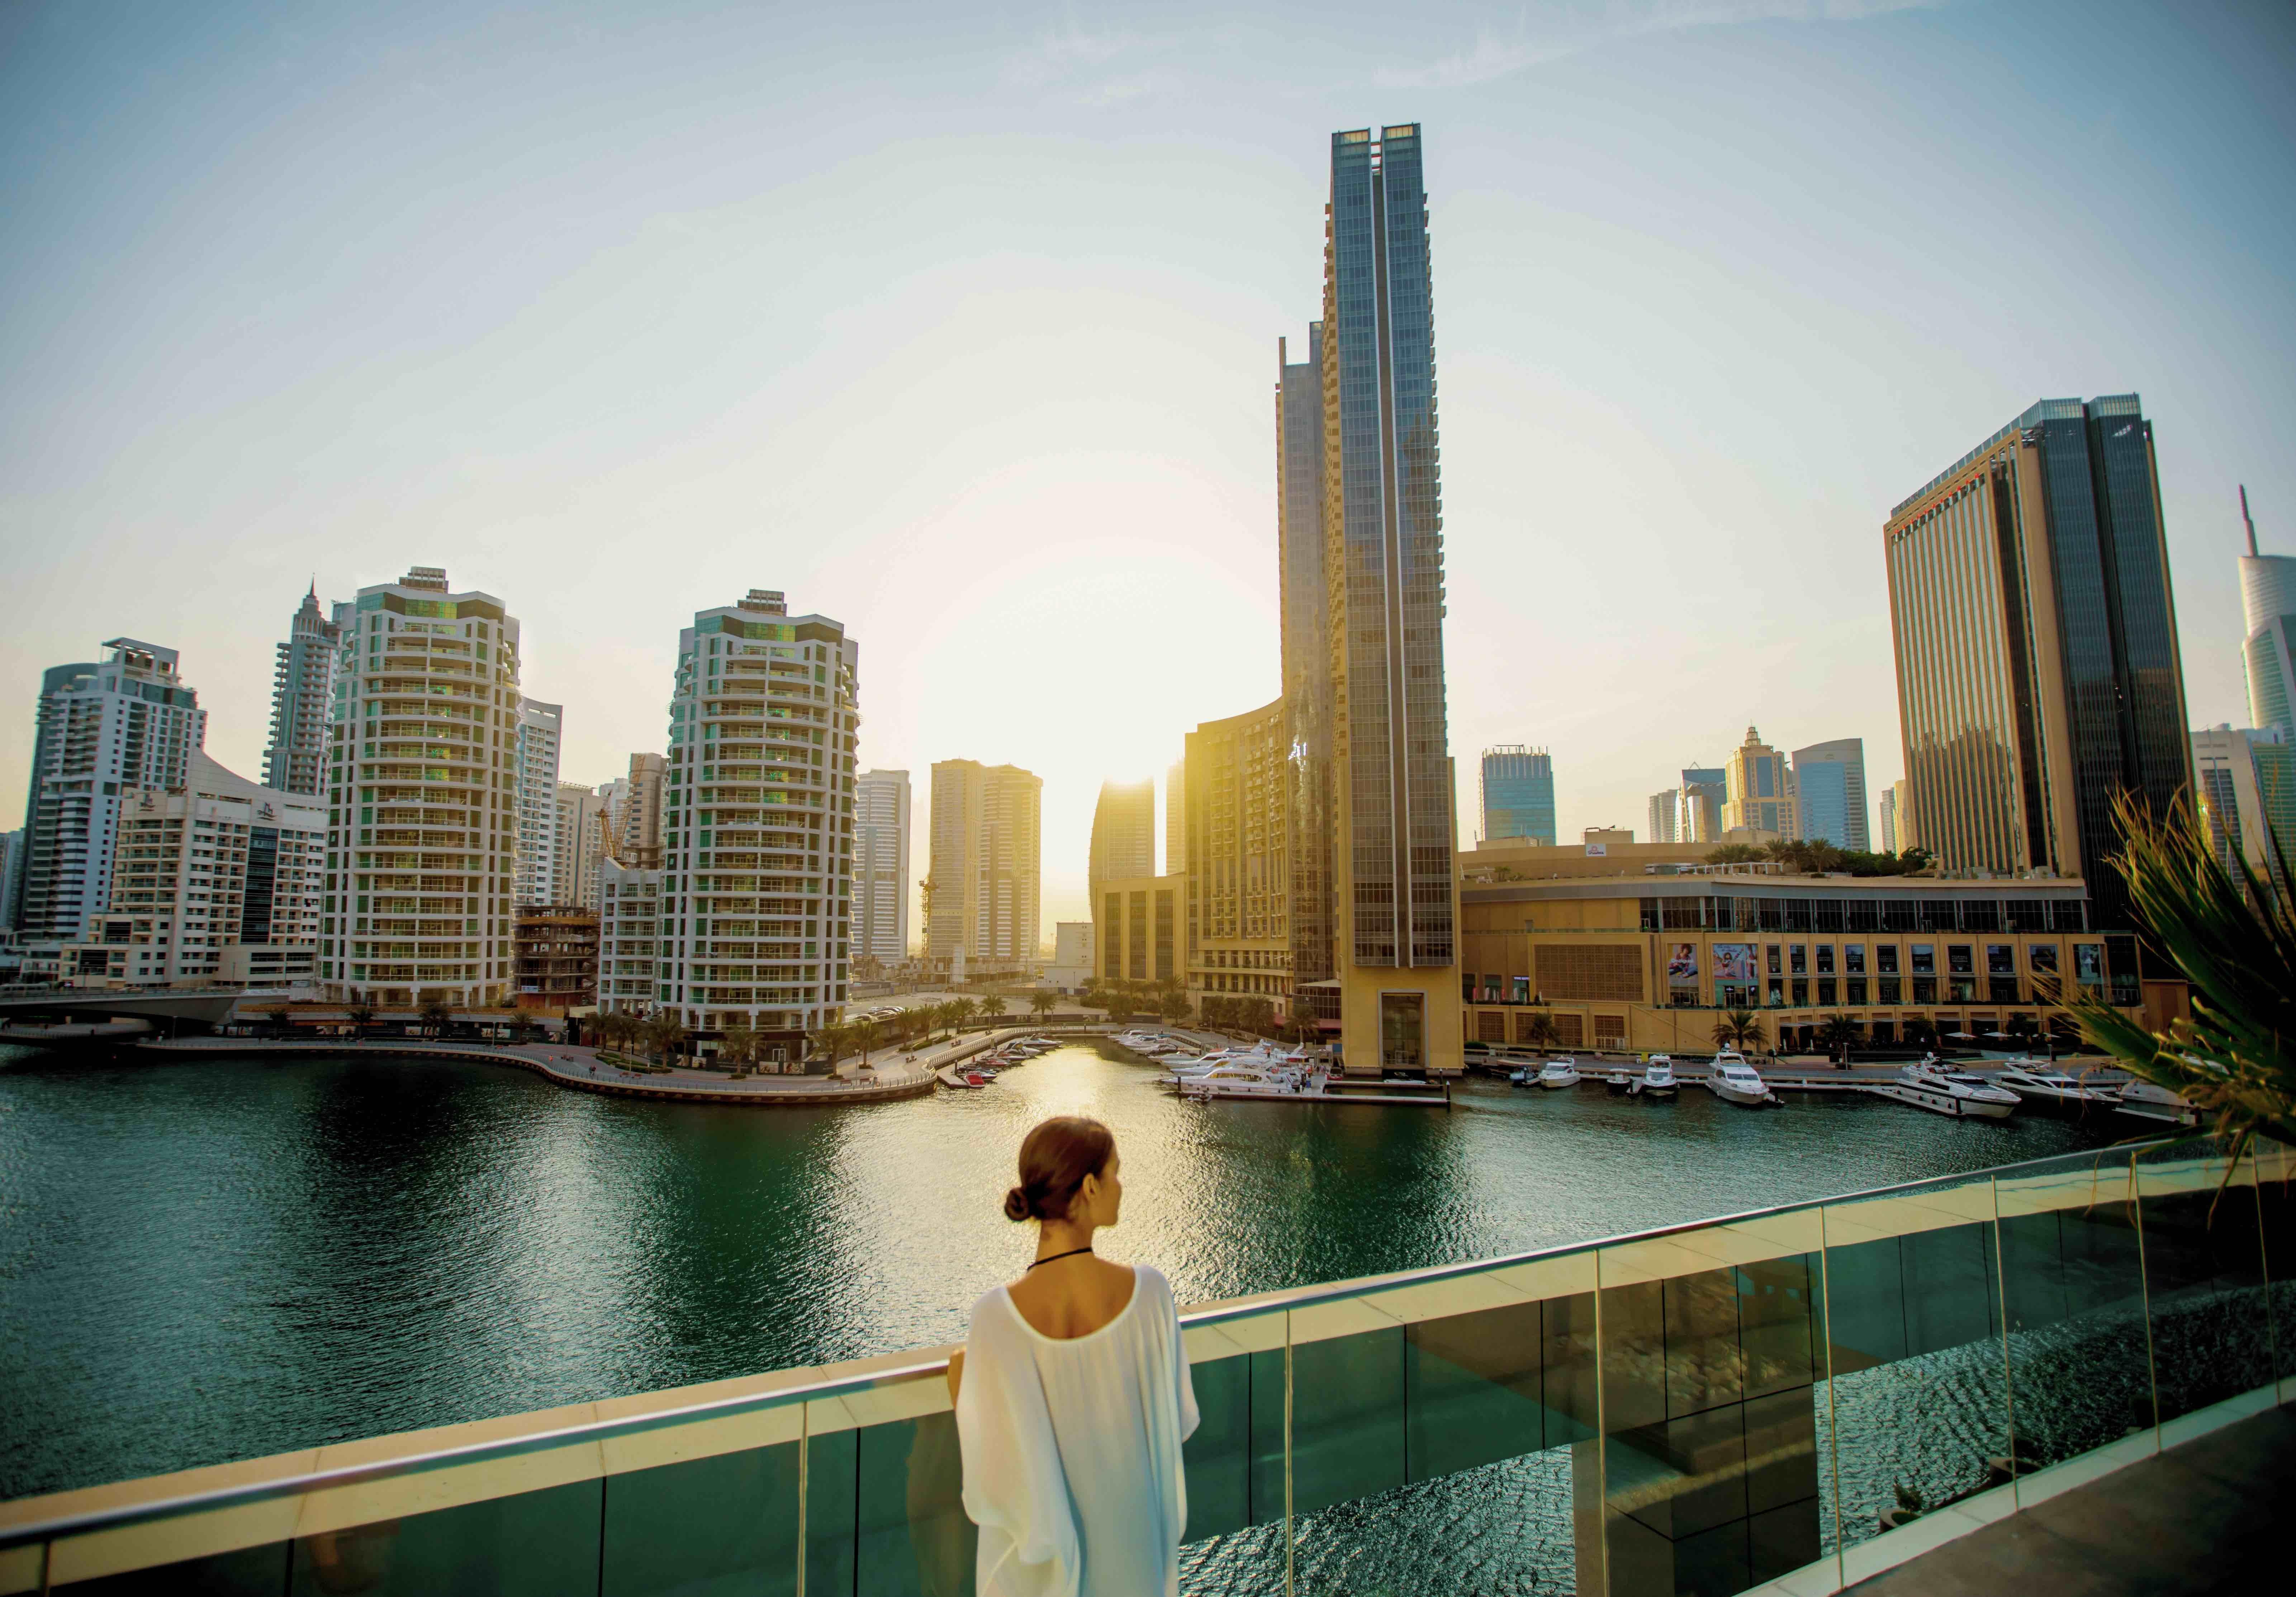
x=2001, y=958
x=1960, y=959
x=1856, y=995
x=1825, y=958
x=1777, y=991
x=1925, y=959
x=1925, y=990
x=1853, y=959
x=1522, y=990
x=1826, y=992
x=1800, y=993
x=2043, y=956
x=1774, y=967
x=1889, y=987
x=1797, y=958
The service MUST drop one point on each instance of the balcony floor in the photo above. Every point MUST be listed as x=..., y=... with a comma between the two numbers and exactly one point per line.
x=2208, y=1516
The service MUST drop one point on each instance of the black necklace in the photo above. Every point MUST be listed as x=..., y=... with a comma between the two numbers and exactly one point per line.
x=1071, y=1253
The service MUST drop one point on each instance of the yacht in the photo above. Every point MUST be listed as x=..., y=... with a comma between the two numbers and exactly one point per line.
x=1559, y=1072
x=1657, y=1078
x=2037, y=1081
x=1929, y=1085
x=1271, y=1076
x=2147, y=1101
x=1620, y=1083
x=1523, y=1075
x=1732, y=1078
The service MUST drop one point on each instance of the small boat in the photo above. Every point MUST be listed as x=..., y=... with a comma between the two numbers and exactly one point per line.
x=1737, y=1082
x=1522, y=1076
x=2147, y=1101
x=2039, y=1083
x=1559, y=1072
x=1929, y=1085
x=1620, y=1083
x=1657, y=1078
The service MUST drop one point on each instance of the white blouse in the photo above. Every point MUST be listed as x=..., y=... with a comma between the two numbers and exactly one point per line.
x=1072, y=1449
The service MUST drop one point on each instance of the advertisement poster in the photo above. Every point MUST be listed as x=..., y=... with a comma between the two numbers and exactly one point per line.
x=1734, y=962
x=1682, y=965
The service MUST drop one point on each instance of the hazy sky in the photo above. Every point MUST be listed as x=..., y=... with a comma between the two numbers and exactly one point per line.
x=962, y=329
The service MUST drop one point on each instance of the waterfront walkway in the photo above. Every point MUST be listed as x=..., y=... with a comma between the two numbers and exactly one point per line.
x=2203, y=1517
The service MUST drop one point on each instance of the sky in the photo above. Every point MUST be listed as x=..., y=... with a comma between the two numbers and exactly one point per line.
x=958, y=325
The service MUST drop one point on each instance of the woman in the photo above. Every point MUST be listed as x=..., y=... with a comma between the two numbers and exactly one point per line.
x=1072, y=1396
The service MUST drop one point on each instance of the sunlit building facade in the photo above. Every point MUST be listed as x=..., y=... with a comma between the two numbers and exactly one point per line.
x=302, y=696
x=881, y=865
x=1518, y=793
x=2035, y=637
x=1758, y=788
x=1829, y=787
x=2267, y=602
x=985, y=873
x=1305, y=603
x=1238, y=905
x=540, y=726
x=1123, y=833
x=422, y=792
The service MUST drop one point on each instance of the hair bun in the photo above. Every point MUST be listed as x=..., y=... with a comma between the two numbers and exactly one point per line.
x=1016, y=1205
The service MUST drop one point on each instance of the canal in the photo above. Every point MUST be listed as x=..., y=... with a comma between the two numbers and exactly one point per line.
x=216, y=1258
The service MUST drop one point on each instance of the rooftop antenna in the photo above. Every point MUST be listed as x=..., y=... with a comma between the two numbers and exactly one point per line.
x=2248, y=519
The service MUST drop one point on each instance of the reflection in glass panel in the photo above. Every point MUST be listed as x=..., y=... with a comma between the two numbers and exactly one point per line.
x=1347, y=1416
x=1235, y=1540
x=1918, y=1405
x=704, y=1527
x=245, y=1572
x=535, y=1545
x=2276, y=1193
x=832, y=1492
x=2078, y=1366
x=912, y=1538
x=2203, y=1275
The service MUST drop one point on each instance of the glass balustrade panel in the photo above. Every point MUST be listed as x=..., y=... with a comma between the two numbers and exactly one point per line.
x=2205, y=1283
x=1236, y=1538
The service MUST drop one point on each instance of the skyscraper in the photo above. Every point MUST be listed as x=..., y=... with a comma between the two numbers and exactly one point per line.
x=2246, y=798
x=757, y=821
x=2267, y=602
x=1383, y=571
x=1829, y=783
x=125, y=721
x=1518, y=793
x=1703, y=789
x=1758, y=789
x=302, y=695
x=421, y=832
x=1890, y=818
x=1123, y=834
x=881, y=865
x=638, y=836
x=1305, y=610
x=985, y=874
x=1666, y=815
x=1238, y=898
x=2035, y=637
x=535, y=799
x=577, y=847
x=1175, y=819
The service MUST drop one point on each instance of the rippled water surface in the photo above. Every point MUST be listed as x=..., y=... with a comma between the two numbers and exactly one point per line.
x=210, y=1259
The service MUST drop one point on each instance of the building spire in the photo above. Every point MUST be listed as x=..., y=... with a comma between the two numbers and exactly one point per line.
x=2248, y=519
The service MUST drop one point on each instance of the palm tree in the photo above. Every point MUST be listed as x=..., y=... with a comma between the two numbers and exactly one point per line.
x=362, y=1016
x=1740, y=1029
x=1536, y=1030
x=737, y=1042
x=1919, y=1032
x=1042, y=1003
x=436, y=1014
x=2234, y=938
x=1174, y=1005
x=1838, y=1035
x=991, y=1006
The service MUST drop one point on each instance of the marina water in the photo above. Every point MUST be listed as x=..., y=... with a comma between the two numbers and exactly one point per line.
x=217, y=1258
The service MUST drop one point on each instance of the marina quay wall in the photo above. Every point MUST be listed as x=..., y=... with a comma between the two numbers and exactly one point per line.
x=1643, y=962
x=1675, y=1397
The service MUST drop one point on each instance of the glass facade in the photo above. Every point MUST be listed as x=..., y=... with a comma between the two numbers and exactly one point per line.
x=1518, y=794
x=1306, y=605
x=1702, y=1409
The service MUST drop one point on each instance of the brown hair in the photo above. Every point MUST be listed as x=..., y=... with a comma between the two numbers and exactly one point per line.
x=1055, y=1159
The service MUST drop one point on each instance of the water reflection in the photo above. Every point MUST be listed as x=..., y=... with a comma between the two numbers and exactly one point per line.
x=220, y=1258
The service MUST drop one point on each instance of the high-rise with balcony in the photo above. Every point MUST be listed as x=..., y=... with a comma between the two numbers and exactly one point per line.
x=1665, y=818
x=422, y=789
x=535, y=876
x=1123, y=834
x=125, y=721
x=302, y=696
x=2038, y=677
x=1518, y=792
x=984, y=877
x=578, y=846
x=637, y=812
x=757, y=821
x=1383, y=568
x=2267, y=602
x=1829, y=787
x=881, y=865
x=1238, y=897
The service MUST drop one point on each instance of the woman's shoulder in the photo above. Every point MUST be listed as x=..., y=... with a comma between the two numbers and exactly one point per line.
x=1149, y=1281
x=992, y=1308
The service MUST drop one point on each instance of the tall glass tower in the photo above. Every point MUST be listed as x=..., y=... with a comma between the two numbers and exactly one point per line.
x=1518, y=793
x=1383, y=573
x=302, y=694
x=1307, y=613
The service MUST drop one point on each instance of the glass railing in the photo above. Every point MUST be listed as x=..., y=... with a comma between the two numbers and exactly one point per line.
x=1799, y=1396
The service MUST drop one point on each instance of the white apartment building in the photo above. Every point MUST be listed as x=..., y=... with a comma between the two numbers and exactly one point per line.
x=302, y=696
x=421, y=837
x=637, y=829
x=630, y=938
x=539, y=727
x=881, y=865
x=580, y=846
x=215, y=883
x=125, y=721
x=756, y=823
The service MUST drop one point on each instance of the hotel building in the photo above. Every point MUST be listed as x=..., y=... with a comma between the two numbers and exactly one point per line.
x=421, y=837
x=1238, y=900
x=215, y=882
x=757, y=822
x=2036, y=640
x=539, y=729
x=1123, y=833
x=126, y=721
x=302, y=695
x=1828, y=787
x=1518, y=793
x=1758, y=790
x=1396, y=943
x=881, y=811
x=983, y=896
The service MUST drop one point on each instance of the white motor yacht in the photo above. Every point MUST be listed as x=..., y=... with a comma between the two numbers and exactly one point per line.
x=1559, y=1072
x=2037, y=1081
x=1657, y=1078
x=2147, y=1101
x=1739, y=1083
x=1929, y=1085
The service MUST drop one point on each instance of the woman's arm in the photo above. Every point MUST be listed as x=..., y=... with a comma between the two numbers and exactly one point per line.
x=955, y=1373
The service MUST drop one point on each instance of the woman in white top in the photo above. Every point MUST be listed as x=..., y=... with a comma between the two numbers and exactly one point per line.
x=1072, y=1396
